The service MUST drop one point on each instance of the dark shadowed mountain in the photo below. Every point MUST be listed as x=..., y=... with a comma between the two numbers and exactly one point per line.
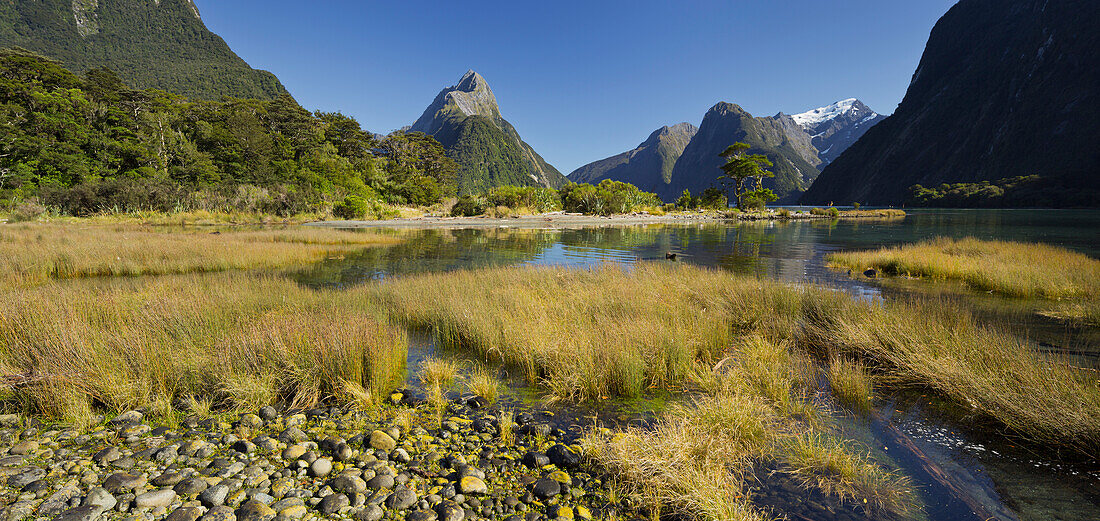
x=150, y=44
x=466, y=119
x=649, y=166
x=1005, y=88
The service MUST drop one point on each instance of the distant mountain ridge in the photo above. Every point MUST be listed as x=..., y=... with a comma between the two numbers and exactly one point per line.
x=673, y=159
x=1004, y=88
x=160, y=44
x=648, y=166
x=467, y=121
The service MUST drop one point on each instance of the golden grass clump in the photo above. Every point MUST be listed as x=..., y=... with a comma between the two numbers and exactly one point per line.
x=436, y=374
x=851, y=383
x=237, y=340
x=37, y=253
x=1009, y=268
x=483, y=382
x=699, y=458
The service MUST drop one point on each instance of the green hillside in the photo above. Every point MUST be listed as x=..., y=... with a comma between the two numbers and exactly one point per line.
x=150, y=44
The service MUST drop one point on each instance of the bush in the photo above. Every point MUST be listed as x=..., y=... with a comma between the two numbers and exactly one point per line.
x=752, y=201
x=536, y=198
x=352, y=207
x=784, y=213
x=833, y=212
x=686, y=201
x=116, y=196
x=855, y=205
x=714, y=199
x=608, y=198
x=818, y=211
x=26, y=211
x=468, y=206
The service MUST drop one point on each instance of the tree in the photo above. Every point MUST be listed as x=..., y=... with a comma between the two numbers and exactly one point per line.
x=739, y=172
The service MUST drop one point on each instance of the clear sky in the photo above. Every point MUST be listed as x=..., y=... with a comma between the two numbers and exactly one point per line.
x=582, y=80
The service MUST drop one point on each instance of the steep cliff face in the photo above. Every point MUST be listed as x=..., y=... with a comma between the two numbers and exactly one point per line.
x=467, y=121
x=1005, y=88
x=727, y=123
x=835, y=127
x=648, y=166
x=160, y=44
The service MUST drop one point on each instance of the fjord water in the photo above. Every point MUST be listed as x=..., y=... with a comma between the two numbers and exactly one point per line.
x=1011, y=481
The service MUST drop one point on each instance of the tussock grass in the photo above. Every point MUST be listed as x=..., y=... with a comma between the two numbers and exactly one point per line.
x=37, y=253
x=234, y=340
x=1009, y=268
x=585, y=334
x=699, y=458
x=436, y=374
x=483, y=382
x=851, y=384
x=939, y=347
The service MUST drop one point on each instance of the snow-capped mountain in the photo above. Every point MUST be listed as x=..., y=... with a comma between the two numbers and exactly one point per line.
x=835, y=127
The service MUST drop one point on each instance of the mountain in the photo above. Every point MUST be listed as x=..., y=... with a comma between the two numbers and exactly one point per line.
x=149, y=43
x=649, y=166
x=834, y=128
x=467, y=121
x=1004, y=88
x=780, y=138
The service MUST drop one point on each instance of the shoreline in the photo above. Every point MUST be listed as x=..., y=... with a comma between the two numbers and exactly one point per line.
x=557, y=220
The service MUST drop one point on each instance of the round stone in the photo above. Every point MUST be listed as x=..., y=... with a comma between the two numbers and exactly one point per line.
x=472, y=485
x=320, y=467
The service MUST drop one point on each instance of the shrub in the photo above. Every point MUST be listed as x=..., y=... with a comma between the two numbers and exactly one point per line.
x=468, y=206
x=26, y=211
x=784, y=213
x=855, y=205
x=818, y=211
x=714, y=199
x=752, y=201
x=535, y=198
x=686, y=201
x=833, y=212
x=352, y=207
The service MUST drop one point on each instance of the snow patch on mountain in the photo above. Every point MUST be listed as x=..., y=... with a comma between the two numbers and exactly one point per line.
x=816, y=116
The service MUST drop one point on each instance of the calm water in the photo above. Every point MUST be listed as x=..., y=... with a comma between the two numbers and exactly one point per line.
x=1009, y=482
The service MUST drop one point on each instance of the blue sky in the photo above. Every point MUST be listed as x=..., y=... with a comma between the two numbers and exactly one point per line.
x=582, y=80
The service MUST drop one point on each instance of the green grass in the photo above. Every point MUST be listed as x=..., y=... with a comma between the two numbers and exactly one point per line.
x=37, y=253
x=1014, y=269
x=235, y=340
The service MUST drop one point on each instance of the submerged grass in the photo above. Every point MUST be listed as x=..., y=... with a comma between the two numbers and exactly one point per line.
x=1009, y=268
x=37, y=253
x=232, y=340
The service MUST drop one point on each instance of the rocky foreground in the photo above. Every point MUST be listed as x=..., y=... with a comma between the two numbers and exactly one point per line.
x=325, y=463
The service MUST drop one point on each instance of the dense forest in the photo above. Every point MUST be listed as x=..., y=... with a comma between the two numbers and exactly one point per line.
x=162, y=44
x=86, y=144
x=1031, y=191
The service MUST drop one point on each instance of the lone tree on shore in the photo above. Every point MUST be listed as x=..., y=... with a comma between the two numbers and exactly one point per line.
x=740, y=170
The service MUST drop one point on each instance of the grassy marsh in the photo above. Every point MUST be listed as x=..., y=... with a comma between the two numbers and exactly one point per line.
x=233, y=340
x=1009, y=268
x=585, y=334
x=37, y=253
